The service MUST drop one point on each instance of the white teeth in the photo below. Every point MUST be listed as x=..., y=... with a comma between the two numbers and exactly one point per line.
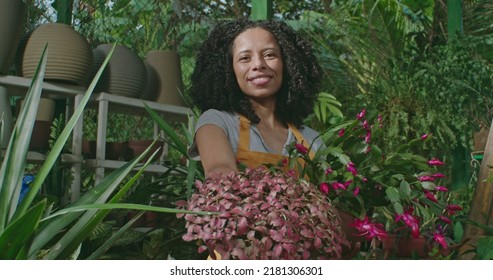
x=261, y=78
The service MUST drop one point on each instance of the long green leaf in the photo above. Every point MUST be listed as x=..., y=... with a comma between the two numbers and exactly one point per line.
x=176, y=142
x=90, y=219
x=130, y=206
x=14, y=162
x=192, y=172
x=62, y=139
x=15, y=239
x=97, y=194
x=107, y=244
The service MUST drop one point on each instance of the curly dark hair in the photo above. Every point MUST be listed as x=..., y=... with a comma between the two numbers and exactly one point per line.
x=213, y=81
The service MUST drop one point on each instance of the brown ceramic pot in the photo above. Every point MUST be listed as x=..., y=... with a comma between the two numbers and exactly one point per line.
x=114, y=150
x=69, y=54
x=40, y=136
x=137, y=147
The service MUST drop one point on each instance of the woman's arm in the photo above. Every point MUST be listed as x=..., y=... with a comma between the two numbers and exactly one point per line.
x=215, y=150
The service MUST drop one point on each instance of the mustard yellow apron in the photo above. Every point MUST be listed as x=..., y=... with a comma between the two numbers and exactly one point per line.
x=254, y=159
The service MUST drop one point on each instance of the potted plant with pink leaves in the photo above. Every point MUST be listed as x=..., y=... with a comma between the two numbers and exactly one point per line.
x=263, y=214
x=391, y=196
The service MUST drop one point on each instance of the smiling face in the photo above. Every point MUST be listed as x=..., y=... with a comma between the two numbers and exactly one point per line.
x=257, y=63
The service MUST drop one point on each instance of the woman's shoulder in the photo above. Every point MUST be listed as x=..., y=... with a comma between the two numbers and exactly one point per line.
x=220, y=118
x=214, y=113
x=308, y=131
x=312, y=136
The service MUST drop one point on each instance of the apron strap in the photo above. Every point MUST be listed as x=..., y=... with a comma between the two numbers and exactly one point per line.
x=244, y=136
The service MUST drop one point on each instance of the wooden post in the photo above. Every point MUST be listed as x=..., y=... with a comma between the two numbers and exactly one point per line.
x=261, y=9
x=482, y=202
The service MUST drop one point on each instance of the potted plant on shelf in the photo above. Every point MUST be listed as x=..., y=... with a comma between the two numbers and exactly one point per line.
x=392, y=195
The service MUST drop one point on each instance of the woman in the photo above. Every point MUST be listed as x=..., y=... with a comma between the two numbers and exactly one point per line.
x=255, y=82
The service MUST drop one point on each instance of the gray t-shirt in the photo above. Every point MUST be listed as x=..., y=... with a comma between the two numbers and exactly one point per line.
x=230, y=123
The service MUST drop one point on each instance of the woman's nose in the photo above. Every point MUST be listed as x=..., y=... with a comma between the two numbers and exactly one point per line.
x=258, y=63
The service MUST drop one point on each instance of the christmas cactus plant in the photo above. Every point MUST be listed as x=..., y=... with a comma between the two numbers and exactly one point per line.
x=393, y=193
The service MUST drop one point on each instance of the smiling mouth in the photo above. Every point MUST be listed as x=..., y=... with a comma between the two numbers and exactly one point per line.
x=260, y=79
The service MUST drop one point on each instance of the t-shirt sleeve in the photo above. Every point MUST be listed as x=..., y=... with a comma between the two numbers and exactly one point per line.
x=213, y=117
x=313, y=137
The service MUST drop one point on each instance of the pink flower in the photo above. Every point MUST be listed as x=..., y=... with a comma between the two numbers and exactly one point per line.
x=284, y=162
x=430, y=196
x=337, y=185
x=379, y=118
x=328, y=171
x=356, y=191
x=302, y=149
x=291, y=173
x=365, y=125
x=324, y=187
x=424, y=136
x=361, y=114
x=438, y=175
x=341, y=132
x=410, y=221
x=368, y=229
x=426, y=178
x=368, y=137
x=347, y=183
x=352, y=168
x=453, y=208
x=435, y=161
x=440, y=239
x=441, y=189
x=445, y=219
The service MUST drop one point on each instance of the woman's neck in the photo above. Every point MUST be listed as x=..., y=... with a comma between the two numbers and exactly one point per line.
x=266, y=112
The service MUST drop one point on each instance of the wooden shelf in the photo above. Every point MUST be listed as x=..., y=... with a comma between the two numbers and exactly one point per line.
x=115, y=164
x=136, y=106
x=104, y=103
x=19, y=85
x=37, y=157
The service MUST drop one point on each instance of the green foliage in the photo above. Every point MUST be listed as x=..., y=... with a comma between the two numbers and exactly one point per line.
x=389, y=57
x=326, y=109
x=452, y=76
x=400, y=191
x=38, y=231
